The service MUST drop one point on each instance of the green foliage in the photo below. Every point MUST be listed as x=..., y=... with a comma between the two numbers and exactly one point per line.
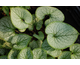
x=39, y=53
x=33, y=36
x=25, y=53
x=75, y=49
x=61, y=35
x=65, y=55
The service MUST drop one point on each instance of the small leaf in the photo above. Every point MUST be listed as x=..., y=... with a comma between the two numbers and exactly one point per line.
x=38, y=24
x=20, y=41
x=50, y=57
x=51, y=51
x=53, y=13
x=61, y=35
x=7, y=30
x=35, y=44
x=65, y=55
x=25, y=53
x=3, y=57
x=21, y=18
x=13, y=54
x=39, y=53
x=75, y=49
x=40, y=36
x=5, y=10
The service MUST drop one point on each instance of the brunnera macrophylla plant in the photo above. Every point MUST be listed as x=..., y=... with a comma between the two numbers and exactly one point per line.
x=32, y=36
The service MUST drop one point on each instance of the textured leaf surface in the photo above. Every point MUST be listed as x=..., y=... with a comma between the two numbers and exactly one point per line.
x=54, y=14
x=40, y=36
x=75, y=49
x=21, y=18
x=51, y=51
x=39, y=53
x=7, y=30
x=13, y=54
x=20, y=41
x=65, y=55
x=25, y=53
x=61, y=35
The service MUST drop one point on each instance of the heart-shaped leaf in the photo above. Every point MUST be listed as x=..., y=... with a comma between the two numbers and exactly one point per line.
x=75, y=49
x=53, y=13
x=20, y=41
x=61, y=35
x=7, y=30
x=21, y=18
x=39, y=53
x=65, y=55
x=40, y=36
x=25, y=53
x=51, y=51
x=13, y=54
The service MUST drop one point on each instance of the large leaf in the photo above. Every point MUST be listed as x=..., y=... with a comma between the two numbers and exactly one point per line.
x=40, y=36
x=20, y=41
x=21, y=18
x=51, y=51
x=61, y=35
x=53, y=13
x=13, y=54
x=25, y=53
x=39, y=53
x=7, y=30
x=65, y=55
x=75, y=49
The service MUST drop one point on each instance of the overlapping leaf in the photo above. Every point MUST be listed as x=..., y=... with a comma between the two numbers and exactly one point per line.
x=39, y=53
x=21, y=18
x=61, y=35
x=7, y=30
x=75, y=49
x=20, y=41
x=65, y=55
x=25, y=53
x=51, y=51
x=53, y=13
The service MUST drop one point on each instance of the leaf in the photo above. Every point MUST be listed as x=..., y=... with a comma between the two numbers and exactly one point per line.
x=2, y=51
x=38, y=24
x=20, y=41
x=65, y=55
x=3, y=57
x=35, y=44
x=50, y=57
x=25, y=53
x=40, y=36
x=7, y=30
x=13, y=54
x=75, y=49
x=39, y=53
x=51, y=51
x=5, y=10
x=53, y=13
x=61, y=35
x=21, y=18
